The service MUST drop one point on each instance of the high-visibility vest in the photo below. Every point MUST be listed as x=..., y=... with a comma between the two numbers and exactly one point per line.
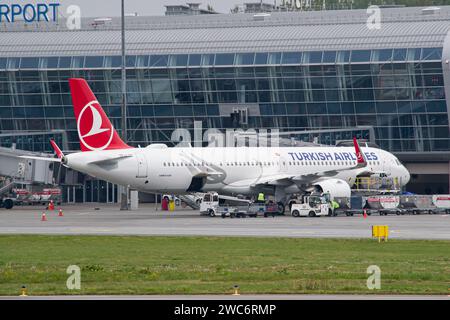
x=261, y=197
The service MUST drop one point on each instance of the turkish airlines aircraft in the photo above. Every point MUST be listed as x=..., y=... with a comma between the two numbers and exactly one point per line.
x=279, y=171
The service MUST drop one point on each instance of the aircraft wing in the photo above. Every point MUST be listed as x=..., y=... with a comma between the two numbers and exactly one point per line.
x=41, y=158
x=274, y=179
x=288, y=179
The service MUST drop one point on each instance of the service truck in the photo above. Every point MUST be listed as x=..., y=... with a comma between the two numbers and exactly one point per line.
x=312, y=206
x=214, y=204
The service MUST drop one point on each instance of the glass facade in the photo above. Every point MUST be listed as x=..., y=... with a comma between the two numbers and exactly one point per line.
x=400, y=92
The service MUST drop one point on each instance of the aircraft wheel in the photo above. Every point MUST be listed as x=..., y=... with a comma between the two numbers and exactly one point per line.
x=281, y=208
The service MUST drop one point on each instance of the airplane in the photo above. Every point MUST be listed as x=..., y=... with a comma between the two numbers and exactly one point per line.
x=278, y=171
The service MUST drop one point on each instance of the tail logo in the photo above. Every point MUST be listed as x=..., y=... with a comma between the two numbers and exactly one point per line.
x=93, y=131
x=359, y=157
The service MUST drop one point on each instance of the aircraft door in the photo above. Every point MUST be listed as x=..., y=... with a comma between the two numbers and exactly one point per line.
x=283, y=168
x=141, y=165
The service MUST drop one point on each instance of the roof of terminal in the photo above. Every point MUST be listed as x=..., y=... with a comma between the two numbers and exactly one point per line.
x=278, y=31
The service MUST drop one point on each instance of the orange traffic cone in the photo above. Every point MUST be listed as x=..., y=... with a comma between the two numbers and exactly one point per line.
x=60, y=213
x=51, y=205
x=365, y=214
x=43, y=217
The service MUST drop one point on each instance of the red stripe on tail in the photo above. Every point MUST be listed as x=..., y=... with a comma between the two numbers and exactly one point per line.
x=95, y=130
x=56, y=148
x=359, y=155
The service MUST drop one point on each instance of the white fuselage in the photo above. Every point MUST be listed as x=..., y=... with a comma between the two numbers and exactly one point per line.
x=229, y=170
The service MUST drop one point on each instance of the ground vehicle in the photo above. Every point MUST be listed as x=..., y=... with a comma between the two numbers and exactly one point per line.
x=351, y=206
x=417, y=204
x=34, y=194
x=385, y=204
x=311, y=206
x=250, y=210
x=441, y=202
x=212, y=202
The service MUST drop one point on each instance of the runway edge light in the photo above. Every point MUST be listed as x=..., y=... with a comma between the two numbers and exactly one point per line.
x=236, y=290
x=23, y=291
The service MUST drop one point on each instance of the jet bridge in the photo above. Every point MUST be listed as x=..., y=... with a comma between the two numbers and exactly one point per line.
x=25, y=171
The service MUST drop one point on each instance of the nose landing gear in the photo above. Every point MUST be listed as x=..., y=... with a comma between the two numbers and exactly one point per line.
x=281, y=208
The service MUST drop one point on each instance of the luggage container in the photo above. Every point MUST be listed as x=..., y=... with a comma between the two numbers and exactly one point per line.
x=384, y=204
x=442, y=202
x=350, y=206
x=417, y=204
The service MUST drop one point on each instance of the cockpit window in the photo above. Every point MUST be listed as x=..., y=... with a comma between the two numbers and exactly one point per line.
x=398, y=162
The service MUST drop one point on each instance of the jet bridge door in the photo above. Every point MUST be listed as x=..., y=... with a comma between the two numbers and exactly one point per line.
x=141, y=165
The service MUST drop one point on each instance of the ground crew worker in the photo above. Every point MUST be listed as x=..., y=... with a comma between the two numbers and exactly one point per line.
x=261, y=198
x=334, y=205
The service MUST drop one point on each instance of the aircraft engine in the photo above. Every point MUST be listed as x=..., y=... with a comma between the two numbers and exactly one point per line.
x=335, y=187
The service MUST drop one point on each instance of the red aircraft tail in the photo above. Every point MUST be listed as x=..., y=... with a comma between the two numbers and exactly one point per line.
x=95, y=130
x=359, y=154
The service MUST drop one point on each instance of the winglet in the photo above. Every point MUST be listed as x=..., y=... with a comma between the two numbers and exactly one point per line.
x=360, y=157
x=57, y=149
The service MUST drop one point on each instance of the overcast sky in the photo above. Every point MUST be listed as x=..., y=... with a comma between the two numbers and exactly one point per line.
x=111, y=8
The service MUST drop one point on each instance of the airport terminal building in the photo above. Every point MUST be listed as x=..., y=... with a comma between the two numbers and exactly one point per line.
x=287, y=70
